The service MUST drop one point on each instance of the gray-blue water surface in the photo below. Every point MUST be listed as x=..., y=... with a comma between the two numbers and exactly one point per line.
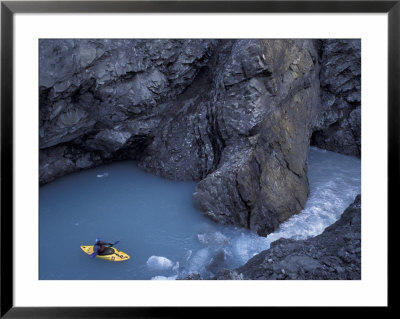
x=156, y=224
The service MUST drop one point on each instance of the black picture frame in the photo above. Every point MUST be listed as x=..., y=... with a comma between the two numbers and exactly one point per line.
x=9, y=8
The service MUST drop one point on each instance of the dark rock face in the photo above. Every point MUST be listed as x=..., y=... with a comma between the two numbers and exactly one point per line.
x=235, y=115
x=266, y=126
x=340, y=78
x=63, y=159
x=334, y=254
x=108, y=97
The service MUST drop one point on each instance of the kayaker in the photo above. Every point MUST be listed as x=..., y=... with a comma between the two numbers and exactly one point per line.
x=99, y=246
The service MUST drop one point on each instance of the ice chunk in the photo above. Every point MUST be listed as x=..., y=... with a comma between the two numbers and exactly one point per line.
x=188, y=255
x=176, y=267
x=199, y=260
x=159, y=263
x=216, y=238
x=102, y=175
x=164, y=278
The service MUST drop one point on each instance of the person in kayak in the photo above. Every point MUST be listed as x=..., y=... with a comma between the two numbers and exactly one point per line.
x=100, y=246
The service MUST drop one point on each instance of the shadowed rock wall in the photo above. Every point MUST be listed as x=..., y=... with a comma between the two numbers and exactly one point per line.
x=341, y=97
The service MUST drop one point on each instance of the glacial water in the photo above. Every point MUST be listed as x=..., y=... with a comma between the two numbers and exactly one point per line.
x=156, y=224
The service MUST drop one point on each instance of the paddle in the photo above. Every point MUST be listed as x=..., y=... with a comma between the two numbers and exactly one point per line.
x=97, y=252
x=114, y=243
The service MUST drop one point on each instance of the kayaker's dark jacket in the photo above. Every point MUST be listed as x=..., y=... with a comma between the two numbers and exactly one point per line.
x=99, y=246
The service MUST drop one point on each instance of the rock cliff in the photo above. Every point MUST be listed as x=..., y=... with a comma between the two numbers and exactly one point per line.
x=340, y=78
x=235, y=115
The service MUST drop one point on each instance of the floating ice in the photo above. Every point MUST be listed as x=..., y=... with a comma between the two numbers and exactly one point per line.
x=188, y=255
x=199, y=260
x=176, y=267
x=164, y=277
x=102, y=175
x=216, y=238
x=159, y=263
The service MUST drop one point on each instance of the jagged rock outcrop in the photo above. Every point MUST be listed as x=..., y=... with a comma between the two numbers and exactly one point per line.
x=334, y=254
x=267, y=121
x=235, y=115
x=340, y=79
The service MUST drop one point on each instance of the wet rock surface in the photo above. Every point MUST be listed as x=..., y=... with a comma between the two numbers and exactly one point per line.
x=340, y=79
x=235, y=115
x=334, y=254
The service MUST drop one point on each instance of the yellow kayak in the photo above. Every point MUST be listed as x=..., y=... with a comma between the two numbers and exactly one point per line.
x=110, y=253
